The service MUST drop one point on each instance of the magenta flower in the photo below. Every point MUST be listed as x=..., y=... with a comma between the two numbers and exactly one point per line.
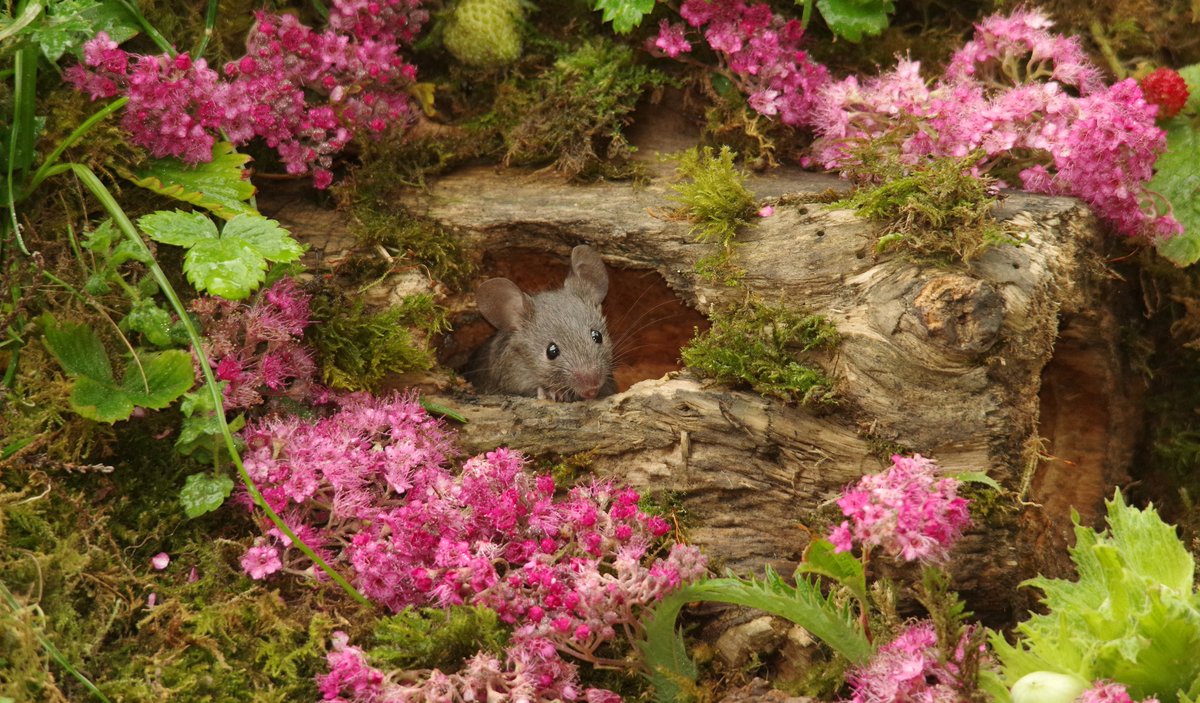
x=160, y=561
x=908, y=669
x=670, y=40
x=1109, y=692
x=906, y=510
x=261, y=561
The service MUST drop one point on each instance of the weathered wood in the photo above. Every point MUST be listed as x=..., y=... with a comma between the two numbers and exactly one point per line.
x=946, y=362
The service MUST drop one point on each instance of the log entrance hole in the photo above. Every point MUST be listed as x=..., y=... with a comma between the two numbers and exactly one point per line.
x=647, y=321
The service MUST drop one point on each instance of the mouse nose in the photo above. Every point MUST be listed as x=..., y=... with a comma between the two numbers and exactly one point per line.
x=587, y=385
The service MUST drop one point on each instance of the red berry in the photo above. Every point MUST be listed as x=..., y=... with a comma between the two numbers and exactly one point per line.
x=1167, y=89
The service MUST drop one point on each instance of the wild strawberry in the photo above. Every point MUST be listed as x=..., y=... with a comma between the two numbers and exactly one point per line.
x=484, y=33
x=1167, y=89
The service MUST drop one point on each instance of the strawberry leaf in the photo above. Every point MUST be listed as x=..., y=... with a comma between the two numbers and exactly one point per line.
x=183, y=229
x=851, y=19
x=219, y=185
x=224, y=267
x=624, y=14
x=204, y=493
x=1177, y=180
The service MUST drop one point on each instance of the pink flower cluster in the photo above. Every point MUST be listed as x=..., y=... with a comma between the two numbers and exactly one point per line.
x=1110, y=692
x=305, y=93
x=367, y=487
x=530, y=673
x=256, y=349
x=1031, y=101
x=907, y=510
x=909, y=669
x=760, y=49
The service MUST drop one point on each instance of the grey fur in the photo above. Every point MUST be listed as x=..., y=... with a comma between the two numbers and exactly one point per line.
x=514, y=360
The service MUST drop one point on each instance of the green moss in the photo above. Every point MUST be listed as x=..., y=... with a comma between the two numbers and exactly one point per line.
x=433, y=638
x=371, y=193
x=759, y=345
x=713, y=197
x=357, y=349
x=934, y=211
x=572, y=115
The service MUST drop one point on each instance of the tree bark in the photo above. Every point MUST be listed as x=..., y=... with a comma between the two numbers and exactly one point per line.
x=949, y=362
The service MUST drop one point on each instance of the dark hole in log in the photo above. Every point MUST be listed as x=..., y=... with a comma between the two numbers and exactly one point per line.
x=647, y=321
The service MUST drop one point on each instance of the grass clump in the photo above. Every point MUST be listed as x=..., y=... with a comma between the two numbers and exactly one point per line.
x=436, y=638
x=759, y=345
x=356, y=348
x=572, y=114
x=714, y=198
x=936, y=210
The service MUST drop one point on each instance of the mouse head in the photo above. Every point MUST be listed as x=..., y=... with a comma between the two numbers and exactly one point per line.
x=558, y=339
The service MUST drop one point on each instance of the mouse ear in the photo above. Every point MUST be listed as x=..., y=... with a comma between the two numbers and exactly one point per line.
x=502, y=303
x=588, y=278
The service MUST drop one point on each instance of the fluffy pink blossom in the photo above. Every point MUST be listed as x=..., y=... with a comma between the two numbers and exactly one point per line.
x=1016, y=91
x=906, y=510
x=304, y=92
x=909, y=669
x=761, y=51
x=1109, y=692
x=160, y=561
x=369, y=489
x=256, y=349
x=261, y=561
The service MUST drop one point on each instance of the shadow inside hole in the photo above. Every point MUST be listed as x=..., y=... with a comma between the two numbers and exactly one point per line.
x=647, y=322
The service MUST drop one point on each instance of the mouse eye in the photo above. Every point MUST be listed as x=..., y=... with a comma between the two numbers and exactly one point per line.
x=597, y=337
x=552, y=351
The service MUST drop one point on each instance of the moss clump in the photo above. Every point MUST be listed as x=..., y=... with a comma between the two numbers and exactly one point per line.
x=356, y=348
x=370, y=193
x=571, y=115
x=714, y=198
x=759, y=345
x=936, y=211
x=433, y=638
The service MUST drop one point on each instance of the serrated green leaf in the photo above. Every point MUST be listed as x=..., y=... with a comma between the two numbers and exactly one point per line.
x=78, y=349
x=820, y=558
x=101, y=402
x=204, y=493
x=977, y=477
x=183, y=229
x=152, y=321
x=1177, y=179
x=851, y=19
x=159, y=379
x=224, y=267
x=624, y=14
x=265, y=236
x=218, y=185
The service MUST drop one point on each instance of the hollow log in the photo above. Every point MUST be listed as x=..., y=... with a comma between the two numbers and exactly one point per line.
x=965, y=365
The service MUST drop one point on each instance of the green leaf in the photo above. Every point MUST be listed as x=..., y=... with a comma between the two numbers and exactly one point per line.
x=10, y=27
x=204, y=493
x=154, y=381
x=1191, y=76
x=624, y=14
x=851, y=19
x=200, y=435
x=63, y=27
x=264, y=236
x=177, y=227
x=152, y=321
x=112, y=18
x=218, y=185
x=224, y=267
x=821, y=559
x=977, y=477
x=1177, y=179
x=672, y=672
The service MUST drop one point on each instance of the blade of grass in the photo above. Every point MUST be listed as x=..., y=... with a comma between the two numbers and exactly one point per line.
x=21, y=136
x=210, y=22
x=65, y=144
x=159, y=40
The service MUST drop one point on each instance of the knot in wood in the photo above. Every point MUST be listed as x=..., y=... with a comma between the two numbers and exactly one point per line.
x=960, y=314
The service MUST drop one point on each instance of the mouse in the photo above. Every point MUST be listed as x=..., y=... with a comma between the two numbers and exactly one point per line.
x=552, y=345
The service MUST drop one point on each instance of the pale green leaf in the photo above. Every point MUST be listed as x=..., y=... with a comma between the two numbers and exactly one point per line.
x=183, y=229
x=218, y=185
x=1177, y=179
x=224, y=267
x=78, y=349
x=1191, y=76
x=266, y=237
x=976, y=477
x=820, y=558
x=851, y=19
x=204, y=493
x=624, y=14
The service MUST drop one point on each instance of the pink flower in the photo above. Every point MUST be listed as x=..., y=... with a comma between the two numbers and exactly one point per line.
x=1110, y=692
x=906, y=510
x=909, y=669
x=160, y=561
x=261, y=561
x=766, y=211
x=670, y=39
